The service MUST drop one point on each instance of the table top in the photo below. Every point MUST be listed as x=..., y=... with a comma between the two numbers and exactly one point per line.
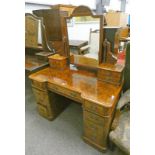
x=78, y=43
x=81, y=81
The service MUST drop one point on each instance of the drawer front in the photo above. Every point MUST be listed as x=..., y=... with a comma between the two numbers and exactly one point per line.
x=112, y=79
x=46, y=112
x=109, y=76
x=40, y=85
x=94, y=108
x=43, y=111
x=88, y=116
x=58, y=64
x=94, y=132
x=66, y=92
x=41, y=97
x=108, y=73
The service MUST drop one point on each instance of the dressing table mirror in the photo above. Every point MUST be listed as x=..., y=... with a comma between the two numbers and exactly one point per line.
x=85, y=35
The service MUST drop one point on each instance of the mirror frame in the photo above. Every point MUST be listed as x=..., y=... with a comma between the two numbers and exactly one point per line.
x=86, y=11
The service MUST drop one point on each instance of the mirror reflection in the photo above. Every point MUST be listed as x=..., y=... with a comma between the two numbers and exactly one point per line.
x=83, y=35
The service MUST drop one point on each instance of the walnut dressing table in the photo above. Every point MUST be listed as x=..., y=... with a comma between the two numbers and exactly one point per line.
x=98, y=99
x=56, y=85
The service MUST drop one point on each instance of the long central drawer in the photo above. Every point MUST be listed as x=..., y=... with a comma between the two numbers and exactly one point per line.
x=74, y=95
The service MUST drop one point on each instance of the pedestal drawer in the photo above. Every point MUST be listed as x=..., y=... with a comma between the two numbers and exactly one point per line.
x=41, y=96
x=93, y=132
x=93, y=107
x=108, y=74
x=88, y=116
x=43, y=111
x=40, y=85
x=97, y=108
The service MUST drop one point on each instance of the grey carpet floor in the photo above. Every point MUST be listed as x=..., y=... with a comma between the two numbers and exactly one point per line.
x=63, y=136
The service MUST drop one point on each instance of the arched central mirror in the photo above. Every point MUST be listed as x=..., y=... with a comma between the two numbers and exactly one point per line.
x=85, y=36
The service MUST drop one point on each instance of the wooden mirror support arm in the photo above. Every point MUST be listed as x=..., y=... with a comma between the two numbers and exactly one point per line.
x=109, y=70
x=109, y=57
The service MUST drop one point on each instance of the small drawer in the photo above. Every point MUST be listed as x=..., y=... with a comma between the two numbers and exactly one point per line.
x=110, y=76
x=112, y=80
x=93, y=132
x=41, y=97
x=88, y=116
x=110, y=73
x=58, y=62
x=94, y=108
x=40, y=85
